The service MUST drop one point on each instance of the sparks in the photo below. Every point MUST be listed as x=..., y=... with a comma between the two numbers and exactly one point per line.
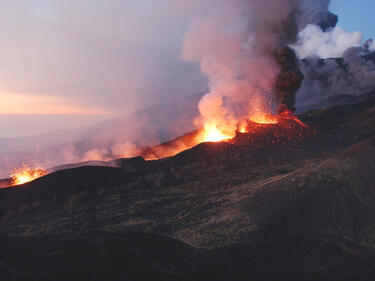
x=212, y=134
x=26, y=174
x=264, y=119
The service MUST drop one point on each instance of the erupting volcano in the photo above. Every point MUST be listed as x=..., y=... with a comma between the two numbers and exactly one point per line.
x=26, y=174
x=253, y=74
x=253, y=127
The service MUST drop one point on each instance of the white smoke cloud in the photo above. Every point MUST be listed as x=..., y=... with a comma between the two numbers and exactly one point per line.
x=235, y=44
x=238, y=73
x=371, y=46
x=314, y=42
x=352, y=74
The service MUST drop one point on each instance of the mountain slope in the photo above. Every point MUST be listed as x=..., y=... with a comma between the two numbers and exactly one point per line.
x=282, y=200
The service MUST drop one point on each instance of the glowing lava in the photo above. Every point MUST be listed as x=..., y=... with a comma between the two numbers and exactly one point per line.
x=243, y=128
x=288, y=115
x=26, y=174
x=264, y=119
x=212, y=134
x=217, y=132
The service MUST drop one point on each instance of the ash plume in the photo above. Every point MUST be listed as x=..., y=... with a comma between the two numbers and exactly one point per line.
x=288, y=81
x=241, y=47
x=351, y=74
x=334, y=62
x=317, y=13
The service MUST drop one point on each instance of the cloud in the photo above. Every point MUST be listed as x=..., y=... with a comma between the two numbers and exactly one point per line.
x=314, y=42
x=371, y=46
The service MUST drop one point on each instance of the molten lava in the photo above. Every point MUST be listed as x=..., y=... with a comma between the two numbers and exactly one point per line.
x=212, y=134
x=26, y=174
x=288, y=115
x=264, y=119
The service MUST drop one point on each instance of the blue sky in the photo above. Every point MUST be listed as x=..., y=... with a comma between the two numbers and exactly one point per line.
x=356, y=15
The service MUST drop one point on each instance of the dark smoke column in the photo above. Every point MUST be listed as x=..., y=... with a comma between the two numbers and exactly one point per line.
x=288, y=82
x=290, y=78
x=242, y=48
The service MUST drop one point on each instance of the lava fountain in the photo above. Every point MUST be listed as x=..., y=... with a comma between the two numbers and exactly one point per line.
x=211, y=133
x=264, y=119
x=26, y=174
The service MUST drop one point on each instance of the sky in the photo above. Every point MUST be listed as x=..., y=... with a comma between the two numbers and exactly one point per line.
x=356, y=15
x=67, y=63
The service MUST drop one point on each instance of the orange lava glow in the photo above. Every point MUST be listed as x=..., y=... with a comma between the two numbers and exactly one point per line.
x=26, y=174
x=290, y=116
x=212, y=134
x=264, y=119
x=242, y=128
x=217, y=132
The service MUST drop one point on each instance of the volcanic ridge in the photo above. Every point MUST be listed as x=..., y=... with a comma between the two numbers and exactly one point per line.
x=283, y=201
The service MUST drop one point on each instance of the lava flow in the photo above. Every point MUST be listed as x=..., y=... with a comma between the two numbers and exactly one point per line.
x=264, y=119
x=26, y=174
x=211, y=133
x=287, y=115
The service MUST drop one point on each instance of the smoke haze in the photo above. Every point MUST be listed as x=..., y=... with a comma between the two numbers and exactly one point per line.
x=314, y=42
x=241, y=48
x=118, y=56
x=121, y=56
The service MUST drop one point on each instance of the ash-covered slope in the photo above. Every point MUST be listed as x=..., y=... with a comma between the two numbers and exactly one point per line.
x=281, y=201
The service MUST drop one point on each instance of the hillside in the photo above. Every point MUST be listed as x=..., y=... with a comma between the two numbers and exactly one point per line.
x=282, y=202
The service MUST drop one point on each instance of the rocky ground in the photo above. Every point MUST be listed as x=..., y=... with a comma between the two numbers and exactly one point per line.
x=282, y=202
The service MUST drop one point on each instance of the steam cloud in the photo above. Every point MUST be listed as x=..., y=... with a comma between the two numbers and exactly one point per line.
x=334, y=62
x=324, y=79
x=313, y=41
x=242, y=47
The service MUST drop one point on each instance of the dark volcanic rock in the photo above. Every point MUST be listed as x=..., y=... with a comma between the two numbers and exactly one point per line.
x=283, y=202
x=108, y=256
x=62, y=184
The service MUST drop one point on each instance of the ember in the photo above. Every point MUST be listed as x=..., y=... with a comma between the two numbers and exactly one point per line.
x=26, y=174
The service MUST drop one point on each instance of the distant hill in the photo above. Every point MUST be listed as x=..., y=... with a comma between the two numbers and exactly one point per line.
x=104, y=140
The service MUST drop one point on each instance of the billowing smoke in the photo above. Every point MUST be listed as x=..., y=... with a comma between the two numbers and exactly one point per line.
x=334, y=63
x=245, y=49
x=241, y=47
x=352, y=74
x=288, y=81
x=314, y=41
x=120, y=137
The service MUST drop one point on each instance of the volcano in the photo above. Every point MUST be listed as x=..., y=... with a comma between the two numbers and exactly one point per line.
x=282, y=199
x=254, y=132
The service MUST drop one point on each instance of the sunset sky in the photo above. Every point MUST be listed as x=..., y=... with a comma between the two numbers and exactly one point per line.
x=68, y=64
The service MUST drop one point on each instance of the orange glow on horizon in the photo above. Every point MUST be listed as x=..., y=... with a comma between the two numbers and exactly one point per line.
x=34, y=104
